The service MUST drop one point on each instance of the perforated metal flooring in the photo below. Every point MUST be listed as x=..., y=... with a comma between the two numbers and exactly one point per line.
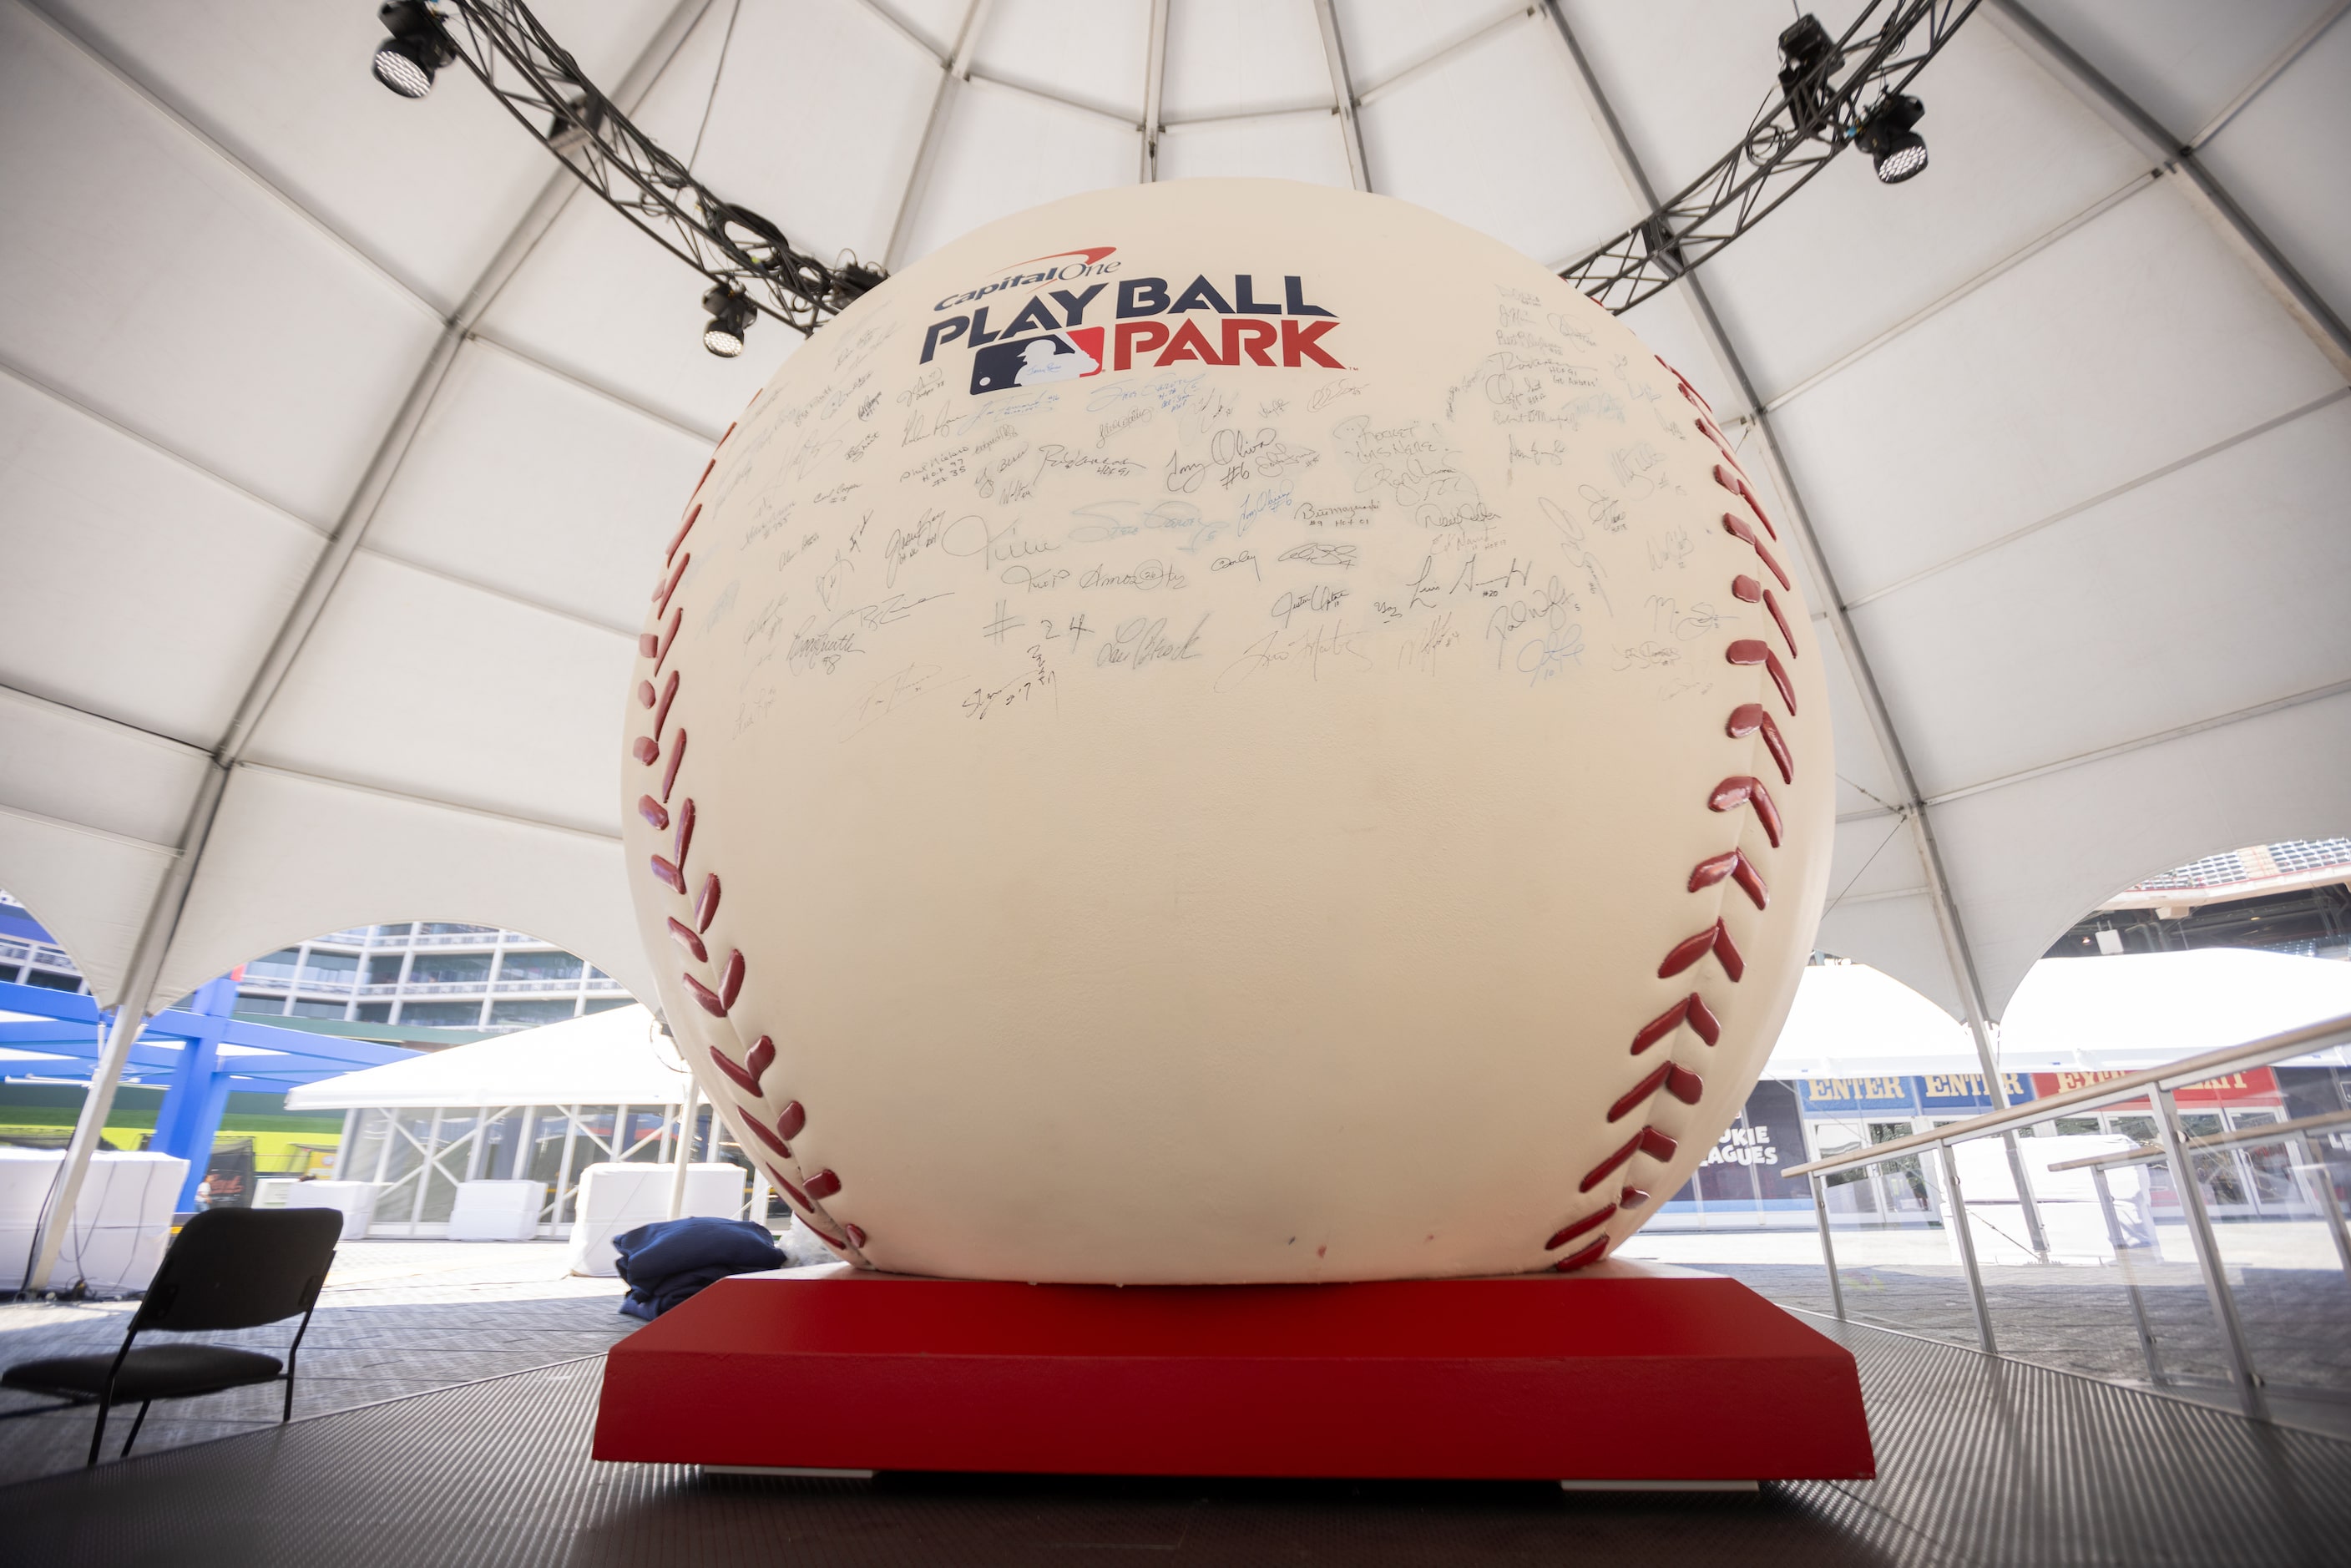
x=1982, y=1463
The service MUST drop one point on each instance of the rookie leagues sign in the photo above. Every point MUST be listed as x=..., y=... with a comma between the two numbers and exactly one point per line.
x=1138, y=321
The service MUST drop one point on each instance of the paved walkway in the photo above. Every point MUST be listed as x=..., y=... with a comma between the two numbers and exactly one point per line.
x=395, y=1318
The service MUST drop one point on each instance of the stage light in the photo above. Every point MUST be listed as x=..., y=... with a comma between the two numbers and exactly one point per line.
x=730, y=319
x=1895, y=150
x=406, y=61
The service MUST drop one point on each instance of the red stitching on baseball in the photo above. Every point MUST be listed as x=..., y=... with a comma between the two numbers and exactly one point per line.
x=706, y=902
x=730, y=430
x=1702, y=1021
x=1748, y=651
x=1600, y=1172
x=1747, y=588
x=824, y=1183
x=685, y=937
x=1591, y=1254
x=669, y=695
x=1742, y=791
x=730, y=980
x=751, y=1069
x=765, y=1136
x=659, y=650
x=1714, y=939
x=645, y=749
x=684, y=834
x=684, y=529
x=1772, y=603
x=704, y=995
x=1737, y=529
x=1633, y=1198
x=652, y=811
x=676, y=755
x=791, y=1119
x=1688, y=390
x=1746, y=719
x=1640, y=1092
x=706, y=475
x=856, y=1236
x=645, y=695
x=1737, y=485
x=1733, y=864
x=1568, y=1233
x=662, y=589
x=665, y=873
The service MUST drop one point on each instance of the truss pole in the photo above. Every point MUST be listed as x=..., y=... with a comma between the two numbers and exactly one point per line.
x=1948, y=922
x=1155, y=77
x=953, y=72
x=2171, y=156
x=1344, y=102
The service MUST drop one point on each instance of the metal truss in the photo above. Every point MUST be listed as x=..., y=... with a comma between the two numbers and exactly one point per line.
x=1811, y=118
x=514, y=56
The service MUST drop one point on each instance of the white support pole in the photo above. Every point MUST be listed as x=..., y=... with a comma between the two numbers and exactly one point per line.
x=953, y=72
x=684, y=1148
x=1154, y=75
x=1343, y=94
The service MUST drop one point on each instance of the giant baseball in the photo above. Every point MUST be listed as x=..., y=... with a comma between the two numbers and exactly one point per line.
x=1227, y=731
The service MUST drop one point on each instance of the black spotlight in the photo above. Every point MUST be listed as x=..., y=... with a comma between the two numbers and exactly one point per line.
x=406, y=61
x=1807, y=56
x=730, y=317
x=1895, y=150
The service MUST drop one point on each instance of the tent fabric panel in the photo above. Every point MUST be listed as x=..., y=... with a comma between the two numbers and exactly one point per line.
x=1245, y=57
x=999, y=151
x=90, y=891
x=289, y=857
x=2026, y=860
x=2183, y=62
x=427, y=188
x=1078, y=49
x=611, y=1058
x=413, y=682
x=1496, y=137
x=2128, y=619
x=1848, y=258
x=1385, y=37
x=1897, y=934
x=1308, y=147
x=158, y=626
x=2044, y=389
x=2281, y=160
x=101, y=292
x=535, y=485
x=85, y=770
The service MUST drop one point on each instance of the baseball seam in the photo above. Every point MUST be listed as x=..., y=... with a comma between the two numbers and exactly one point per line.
x=1732, y=868
x=717, y=994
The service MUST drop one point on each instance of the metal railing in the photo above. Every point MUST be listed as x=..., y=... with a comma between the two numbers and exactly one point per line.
x=2175, y=1149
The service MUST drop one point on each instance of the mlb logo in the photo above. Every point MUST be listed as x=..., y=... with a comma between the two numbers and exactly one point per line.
x=1035, y=361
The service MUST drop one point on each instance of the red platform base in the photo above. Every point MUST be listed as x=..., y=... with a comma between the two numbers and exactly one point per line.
x=1621, y=1373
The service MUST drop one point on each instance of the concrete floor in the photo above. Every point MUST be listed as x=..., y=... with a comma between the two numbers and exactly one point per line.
x=396, y=1317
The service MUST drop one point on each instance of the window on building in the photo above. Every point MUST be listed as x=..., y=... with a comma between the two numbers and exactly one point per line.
x=49, y=980
x=451, y=928
x=529, y=1012
x=250, y=1003
x=383, y=969
x=375, y=1013
x=443, y=1015
x=600, y=1004
x=316, y=1008
x=333, y=968
x=398, y=930
x=538, y=966
x=450, y=969
x=278, y=966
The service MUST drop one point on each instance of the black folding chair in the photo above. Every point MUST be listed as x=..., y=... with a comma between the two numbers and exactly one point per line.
x=227, y=1268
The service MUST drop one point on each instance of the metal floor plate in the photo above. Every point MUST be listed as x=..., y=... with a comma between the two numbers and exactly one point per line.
x=1982, y=1463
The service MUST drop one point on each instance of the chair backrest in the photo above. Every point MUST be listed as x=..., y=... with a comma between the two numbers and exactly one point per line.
x=241, y=1268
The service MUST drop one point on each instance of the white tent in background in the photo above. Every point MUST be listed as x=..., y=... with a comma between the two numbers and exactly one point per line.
x=1853, y=1020
x=2142, y=1009
x=616, y=1056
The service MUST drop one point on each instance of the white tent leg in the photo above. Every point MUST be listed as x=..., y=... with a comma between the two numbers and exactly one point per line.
x=685, y=1149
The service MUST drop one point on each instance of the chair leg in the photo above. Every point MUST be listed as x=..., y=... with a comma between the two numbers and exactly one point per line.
x=135, y=1425
x=98, y=1433
x=288, y=1415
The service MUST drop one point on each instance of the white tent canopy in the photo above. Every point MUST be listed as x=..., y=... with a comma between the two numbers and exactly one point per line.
x=612, y=1058
x=339, y=434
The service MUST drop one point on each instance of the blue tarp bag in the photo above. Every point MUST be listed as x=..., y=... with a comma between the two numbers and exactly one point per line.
x=668, y=1261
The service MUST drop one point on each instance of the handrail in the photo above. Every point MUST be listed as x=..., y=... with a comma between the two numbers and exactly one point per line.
x=2129, y=1086
x=2266, y=1132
